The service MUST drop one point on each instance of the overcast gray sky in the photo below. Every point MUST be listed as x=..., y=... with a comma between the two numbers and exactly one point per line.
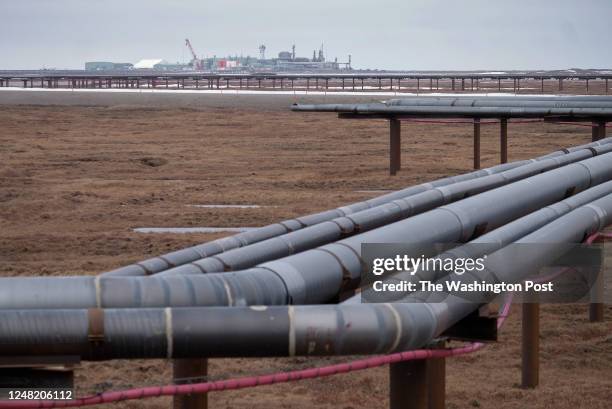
x=385, y=34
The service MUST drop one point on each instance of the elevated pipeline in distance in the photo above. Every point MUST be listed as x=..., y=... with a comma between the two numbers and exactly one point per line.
x=365, y=220
x=493, y=101
x=321, y=274
x=345, y=329
x=497, y=111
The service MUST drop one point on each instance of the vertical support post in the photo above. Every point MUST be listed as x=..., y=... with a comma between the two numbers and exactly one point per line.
x=587, y=85
x=542, y=85
x=503, y=139
x=530, y=345
x=598, y=130
x=476, y=143
x=418, y=85
x=499, y=84
x=453, y=83
x=607, y=86
x=436, y=379
x=596, y=305
x=395, y=146
x=185, y=369
x=560, y=84
x=408, y=385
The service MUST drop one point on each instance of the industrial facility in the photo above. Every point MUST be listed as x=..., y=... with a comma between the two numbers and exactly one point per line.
x=283, y=62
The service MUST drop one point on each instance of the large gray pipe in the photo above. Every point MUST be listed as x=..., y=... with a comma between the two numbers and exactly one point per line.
x=460, y=111
x=490, y=242
x=187, y=255
x=547, y=101
x=284, y=330
x=318, y=275
x=190, y=254
x=365, y=220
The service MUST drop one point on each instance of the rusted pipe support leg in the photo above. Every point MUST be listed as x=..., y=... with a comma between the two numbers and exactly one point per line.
x=436, y=378
x=531, y=345
x=503, y=124
x=596, y=305
x=598, y=130
x=184, y=370
x=395, y=159
x=476, y=143
x=408, y=385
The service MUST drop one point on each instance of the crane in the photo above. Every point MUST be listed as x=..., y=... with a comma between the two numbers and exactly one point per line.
x=196, y=62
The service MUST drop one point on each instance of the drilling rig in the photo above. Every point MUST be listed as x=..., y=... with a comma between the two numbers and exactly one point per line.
x=196, y=63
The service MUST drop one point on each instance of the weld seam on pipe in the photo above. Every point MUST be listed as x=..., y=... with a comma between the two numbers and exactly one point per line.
x=169, y=332
x=398, y=327
x=292, y=341
x=228, y=292
x=599, y=212
x=98, y=291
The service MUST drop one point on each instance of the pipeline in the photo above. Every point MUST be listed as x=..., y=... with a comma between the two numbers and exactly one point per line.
x=191, y=254
x=317, y=330
x=318, y=275
x=494, y=101
x=492, y=241
x=263, y=380
x=187, y=255
x=365, y=220
x=460, y=111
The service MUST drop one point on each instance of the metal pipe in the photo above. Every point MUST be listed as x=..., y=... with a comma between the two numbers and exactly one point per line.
x=459, y=111
x=320, y=274
x=190, y=254
x=490, y=242
x=286, y=330
x=365, y=220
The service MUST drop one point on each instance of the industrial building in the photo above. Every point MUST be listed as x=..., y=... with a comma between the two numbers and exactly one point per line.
x=108, y=66
x=285, y=61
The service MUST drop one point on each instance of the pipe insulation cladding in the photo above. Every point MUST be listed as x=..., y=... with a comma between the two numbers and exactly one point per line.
x=318, y=275
x=369, y=219
x=495, y=111
x=205, y=250
x=490, y=242
x=190, y=254
x=345, y=329
x=500, y=101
